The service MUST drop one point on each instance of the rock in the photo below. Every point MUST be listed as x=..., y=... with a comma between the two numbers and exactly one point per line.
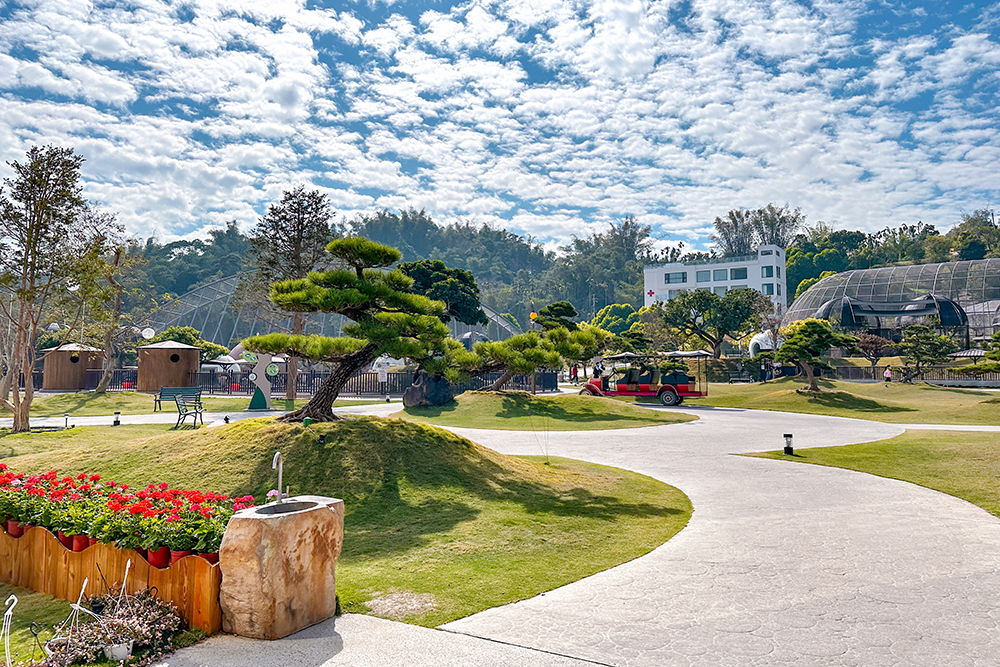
x=278, y=570
x=428, y=390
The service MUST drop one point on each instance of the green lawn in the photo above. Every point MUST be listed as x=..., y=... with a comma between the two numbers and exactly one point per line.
x=519, y=411
x=965, y=465
x=31, y=607
x=89, y=404
x=895, y=403
x=427, y=512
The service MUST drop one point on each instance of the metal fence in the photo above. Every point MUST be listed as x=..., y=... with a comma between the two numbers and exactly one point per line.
x=237, y=383
x=943, y=373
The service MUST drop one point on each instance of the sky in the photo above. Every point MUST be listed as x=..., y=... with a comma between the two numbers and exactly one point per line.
x=545, y=117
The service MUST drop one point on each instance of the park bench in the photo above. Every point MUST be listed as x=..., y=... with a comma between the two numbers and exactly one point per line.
x=189, y=405
x=170, y=392
x=739, y=376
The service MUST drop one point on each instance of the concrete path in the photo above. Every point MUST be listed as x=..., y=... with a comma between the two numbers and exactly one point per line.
x=780, y=564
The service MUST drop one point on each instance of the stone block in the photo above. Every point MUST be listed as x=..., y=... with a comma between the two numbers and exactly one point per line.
x=278, y=566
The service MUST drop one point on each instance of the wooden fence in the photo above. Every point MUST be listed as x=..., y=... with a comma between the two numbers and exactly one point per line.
x=39, y=562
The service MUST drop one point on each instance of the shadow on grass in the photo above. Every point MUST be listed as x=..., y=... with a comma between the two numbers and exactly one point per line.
x=845, y=401
x=518, y=406
x=404, y=482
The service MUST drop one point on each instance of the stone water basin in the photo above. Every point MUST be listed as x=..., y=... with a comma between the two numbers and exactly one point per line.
x=278, y=565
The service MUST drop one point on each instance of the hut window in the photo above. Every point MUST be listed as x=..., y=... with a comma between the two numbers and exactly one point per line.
x=75, y=359
x=175, y=357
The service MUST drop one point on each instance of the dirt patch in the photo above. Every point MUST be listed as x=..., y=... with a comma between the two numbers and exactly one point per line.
x=400, y=605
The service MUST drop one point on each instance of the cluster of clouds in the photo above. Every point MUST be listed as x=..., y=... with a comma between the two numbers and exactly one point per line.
x=547, y=117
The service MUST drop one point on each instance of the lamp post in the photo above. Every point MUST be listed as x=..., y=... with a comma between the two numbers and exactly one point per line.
x=788, y=444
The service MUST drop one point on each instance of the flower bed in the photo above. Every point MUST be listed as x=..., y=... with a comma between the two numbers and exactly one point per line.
x=157, y=518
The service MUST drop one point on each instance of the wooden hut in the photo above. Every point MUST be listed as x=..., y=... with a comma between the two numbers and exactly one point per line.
x=65, y=368
x=167, y=364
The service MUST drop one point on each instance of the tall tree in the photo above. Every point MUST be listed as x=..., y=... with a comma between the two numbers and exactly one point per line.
x=776, y=226
x=287, y=243
x=734, y=234
x=41, y=246
x=387, y=318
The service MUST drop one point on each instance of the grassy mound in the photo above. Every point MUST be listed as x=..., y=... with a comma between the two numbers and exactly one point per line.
x=520, y=411
x=429, y=515
x=964, y=465
x=896, y=403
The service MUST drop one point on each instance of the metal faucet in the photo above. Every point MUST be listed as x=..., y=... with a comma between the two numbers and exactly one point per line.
x=277, y=463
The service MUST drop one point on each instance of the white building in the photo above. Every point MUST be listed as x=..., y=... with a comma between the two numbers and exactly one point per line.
x=762, y=271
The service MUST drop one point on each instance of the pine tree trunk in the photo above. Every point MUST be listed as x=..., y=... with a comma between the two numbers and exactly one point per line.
x=813, y=385
x=292, y=365
x=320, y=406
x=501, y=381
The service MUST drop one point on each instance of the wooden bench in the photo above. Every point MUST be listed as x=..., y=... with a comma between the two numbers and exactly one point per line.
x=739, y=376
x=170, y=392
x=189, y=405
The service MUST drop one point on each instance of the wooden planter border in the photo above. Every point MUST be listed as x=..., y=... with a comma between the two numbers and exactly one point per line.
x=39, y=562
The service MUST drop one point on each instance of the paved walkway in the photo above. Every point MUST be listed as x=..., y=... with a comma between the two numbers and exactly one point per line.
x=780, y=564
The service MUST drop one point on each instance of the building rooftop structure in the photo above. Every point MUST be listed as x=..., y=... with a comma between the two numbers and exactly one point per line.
x=964, y=294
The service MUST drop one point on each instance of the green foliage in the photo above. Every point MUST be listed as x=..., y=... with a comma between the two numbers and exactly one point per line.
x=190, y=336
x=178, y=267
x=457, y=288
x=922, y=346
x=556, y=315
x=616, y=318
x=711, y=317
x=807, y=341
x=522, y=354
x=742, y=230
x=809, y=282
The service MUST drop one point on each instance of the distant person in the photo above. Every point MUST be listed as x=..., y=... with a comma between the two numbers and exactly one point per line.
x=887, y=376
x=763, y=372
x=574, y=374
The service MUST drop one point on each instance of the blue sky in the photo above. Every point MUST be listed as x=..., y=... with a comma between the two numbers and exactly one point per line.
x=545, y=117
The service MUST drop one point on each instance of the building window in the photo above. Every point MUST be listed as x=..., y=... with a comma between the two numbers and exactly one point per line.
x=720, y=274
x=721, y=291
x=767, y=272
x=703, y=276
x=779, y=270
x=779, y=289
x=765, y=252
x=738, y=274
x=767, y=288
x=660, y=297
x=732, y=287
x=679, y=277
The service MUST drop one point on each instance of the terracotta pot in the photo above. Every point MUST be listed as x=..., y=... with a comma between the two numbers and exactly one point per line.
x=91, y=541
x=15, y=528
x=212, y=557
x=159, y=557
x=67, y=540
x=80, y=542
x=177, y=555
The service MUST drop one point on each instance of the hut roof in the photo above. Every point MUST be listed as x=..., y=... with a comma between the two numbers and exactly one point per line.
x=73, y=347
x=169, y=345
